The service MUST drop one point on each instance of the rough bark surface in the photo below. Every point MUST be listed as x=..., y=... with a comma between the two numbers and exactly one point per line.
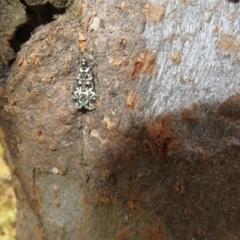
x=12, y=15
x=159, y=156
x=19, y=18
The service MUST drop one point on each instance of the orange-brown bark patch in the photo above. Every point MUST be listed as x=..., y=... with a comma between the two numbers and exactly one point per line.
x=2, y=137
x=189, y=115
x=153, y=13
x=230, y=109
x=176, y=57
x=41, y=233
x=178, y=187
x=1, y=91
x=108, y=123
x=145, y=64
x=134, y=203
x=36, y=202
x=103, y=196
x=216, y=30
x=152, y=233
x=185, y=1
x=82, y=42
x=162, y=140
x=132, y=100
x=36, y=205
x=228, y=44
x=126, y=233
x=147, y=233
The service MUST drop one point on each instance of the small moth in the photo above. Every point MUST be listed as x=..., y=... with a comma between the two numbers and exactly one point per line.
x=84, y=94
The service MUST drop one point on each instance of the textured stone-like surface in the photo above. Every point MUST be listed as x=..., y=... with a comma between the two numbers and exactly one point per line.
x=12, y=14
x=159, y=156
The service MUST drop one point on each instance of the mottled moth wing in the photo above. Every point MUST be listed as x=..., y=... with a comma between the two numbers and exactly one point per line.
x=84, y=94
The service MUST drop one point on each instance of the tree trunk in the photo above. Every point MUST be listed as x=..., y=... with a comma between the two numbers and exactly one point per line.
x=158, y=157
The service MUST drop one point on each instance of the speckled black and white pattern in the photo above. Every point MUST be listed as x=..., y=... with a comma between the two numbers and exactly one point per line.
x=84, y=94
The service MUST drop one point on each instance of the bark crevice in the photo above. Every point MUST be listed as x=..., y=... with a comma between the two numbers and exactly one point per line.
x=35, y=16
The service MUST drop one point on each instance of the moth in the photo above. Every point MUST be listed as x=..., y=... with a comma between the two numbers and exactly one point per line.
x=84, y=95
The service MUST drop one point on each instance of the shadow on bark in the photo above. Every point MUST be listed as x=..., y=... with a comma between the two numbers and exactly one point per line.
x=191, y=182
x=185, y=173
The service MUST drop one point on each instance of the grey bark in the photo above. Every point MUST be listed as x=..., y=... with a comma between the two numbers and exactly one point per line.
x=159, y=156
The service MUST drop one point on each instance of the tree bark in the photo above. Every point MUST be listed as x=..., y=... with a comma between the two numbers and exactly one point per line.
x=158, y=157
